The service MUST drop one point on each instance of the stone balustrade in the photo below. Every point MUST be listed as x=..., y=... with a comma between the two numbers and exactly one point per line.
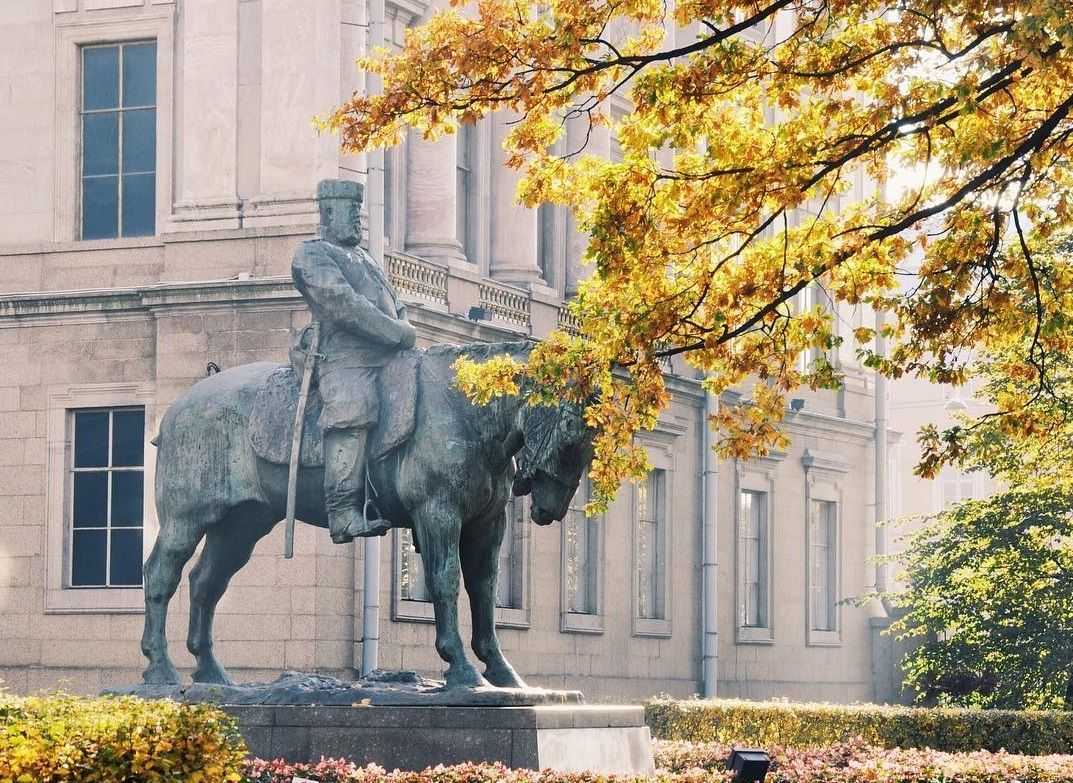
x=417, y=278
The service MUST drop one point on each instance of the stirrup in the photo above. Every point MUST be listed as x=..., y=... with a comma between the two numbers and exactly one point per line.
x=373, y=520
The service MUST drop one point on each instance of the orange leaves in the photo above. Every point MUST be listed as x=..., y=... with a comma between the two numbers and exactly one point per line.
x=750, y=160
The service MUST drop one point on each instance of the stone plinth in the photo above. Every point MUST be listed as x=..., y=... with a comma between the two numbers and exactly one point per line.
x=405, y=721
x=569, y=737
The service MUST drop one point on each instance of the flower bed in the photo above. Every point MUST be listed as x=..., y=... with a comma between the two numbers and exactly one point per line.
x=684, y=762
x=818, y=725
x=110, y=740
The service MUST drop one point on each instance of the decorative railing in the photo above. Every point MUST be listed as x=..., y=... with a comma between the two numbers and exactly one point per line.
x=505, y=303
x=416, y=277
x=569, y=322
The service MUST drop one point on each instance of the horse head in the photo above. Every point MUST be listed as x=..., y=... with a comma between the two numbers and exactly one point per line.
x=557, y=450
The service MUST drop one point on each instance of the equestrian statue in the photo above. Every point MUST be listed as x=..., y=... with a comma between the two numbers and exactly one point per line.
x=368, y=434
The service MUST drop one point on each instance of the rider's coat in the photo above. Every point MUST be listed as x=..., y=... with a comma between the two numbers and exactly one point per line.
x=360, y=318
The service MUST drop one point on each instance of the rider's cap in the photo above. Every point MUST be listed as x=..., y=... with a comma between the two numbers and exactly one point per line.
x=339, y=188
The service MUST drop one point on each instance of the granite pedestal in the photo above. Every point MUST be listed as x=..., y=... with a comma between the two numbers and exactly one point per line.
x=570, y=738
x=404, y=721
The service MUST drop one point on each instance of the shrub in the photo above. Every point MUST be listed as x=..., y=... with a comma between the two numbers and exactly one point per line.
x=340, y=771
x=116, y=740
x=685, y=762
x=858, y=762
x=815, y=725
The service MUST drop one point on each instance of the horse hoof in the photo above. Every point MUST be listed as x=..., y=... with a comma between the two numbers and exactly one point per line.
x=213, y=675
x=505, y=678
x=466, y=679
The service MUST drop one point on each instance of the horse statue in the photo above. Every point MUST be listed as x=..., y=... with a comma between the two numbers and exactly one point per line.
x=444, y=472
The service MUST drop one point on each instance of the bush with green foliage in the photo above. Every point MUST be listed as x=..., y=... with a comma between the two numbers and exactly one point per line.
x=55, y=738
x=989, y=596
x=795, y=725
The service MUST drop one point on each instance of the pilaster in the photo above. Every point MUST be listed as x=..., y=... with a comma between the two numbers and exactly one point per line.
x=208, y=115
x=514, y=240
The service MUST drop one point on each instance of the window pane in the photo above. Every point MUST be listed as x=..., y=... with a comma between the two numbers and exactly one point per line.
x=88, y=557
x=100, y=144
x=126, y=565
x=91, y=439
x=411, y=570
x=90, y=508
x=100, y=208
x=100, y=77
x=139, y=205
x=128, y=437
x=127, y=498
x=139, y=74
x=139, y=140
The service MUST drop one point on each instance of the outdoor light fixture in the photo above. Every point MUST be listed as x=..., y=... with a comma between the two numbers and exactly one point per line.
x=749, y=765
x=478, y=313
x=212, y=368
x=797, y=404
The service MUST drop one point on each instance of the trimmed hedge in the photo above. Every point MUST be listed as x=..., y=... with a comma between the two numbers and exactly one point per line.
x=116, y=740
x=798, y=725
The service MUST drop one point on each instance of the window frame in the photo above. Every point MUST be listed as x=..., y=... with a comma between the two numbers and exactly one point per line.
x=60, y=597
x=823, y=482
x=583, y=622
x=756, y=477
x=72, y=34
x=660, y=457
x=109, y=470
x=120, y=111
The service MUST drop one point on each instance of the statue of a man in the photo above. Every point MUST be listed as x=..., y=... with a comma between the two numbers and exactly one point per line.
x=362, y=323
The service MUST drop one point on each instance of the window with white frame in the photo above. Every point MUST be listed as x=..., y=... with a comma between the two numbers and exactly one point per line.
x=546, y=233
x=753, y=549
x=107, y=497
x=651, y=545
x=581, y=556
x=411, y=569
x=118, y=130
x=466, y=190
x=510, y=584
x=955, y=486
x=823, y=565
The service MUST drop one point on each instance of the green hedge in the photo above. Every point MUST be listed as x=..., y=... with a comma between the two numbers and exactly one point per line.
x=116, y=740
x=815, y=725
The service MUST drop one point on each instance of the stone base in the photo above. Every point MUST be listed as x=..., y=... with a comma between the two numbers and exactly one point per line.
x=568, y=738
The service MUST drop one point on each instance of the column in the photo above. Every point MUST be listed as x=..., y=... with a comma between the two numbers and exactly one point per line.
x=599, y=143
x=431, y=215
x=208, y=116
x=513, y=227
x=301, y=77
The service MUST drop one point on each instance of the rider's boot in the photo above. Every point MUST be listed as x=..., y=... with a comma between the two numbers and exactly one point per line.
x=344, y=482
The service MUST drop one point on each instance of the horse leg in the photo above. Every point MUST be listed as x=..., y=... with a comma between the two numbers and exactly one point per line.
x=175, y=545
x=228, y=546
x=480, y=570
x=437, y=531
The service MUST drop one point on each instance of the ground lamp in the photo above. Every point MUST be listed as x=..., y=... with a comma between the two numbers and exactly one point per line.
x=749, y=765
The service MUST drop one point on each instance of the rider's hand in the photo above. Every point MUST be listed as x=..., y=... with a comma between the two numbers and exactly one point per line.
x=409, y=336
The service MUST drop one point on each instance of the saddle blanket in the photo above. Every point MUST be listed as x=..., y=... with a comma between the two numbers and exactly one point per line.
x=271, y=427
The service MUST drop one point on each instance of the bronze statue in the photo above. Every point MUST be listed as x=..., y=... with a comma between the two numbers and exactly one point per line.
x=362, y=324
x=437, y=464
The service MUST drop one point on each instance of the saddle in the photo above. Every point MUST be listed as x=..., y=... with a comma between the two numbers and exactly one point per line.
x=271, y=427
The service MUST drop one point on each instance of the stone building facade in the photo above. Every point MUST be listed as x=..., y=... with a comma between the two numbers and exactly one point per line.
x=157, y=167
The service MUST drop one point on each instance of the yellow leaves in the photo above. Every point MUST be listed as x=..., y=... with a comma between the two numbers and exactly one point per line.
x=111, y=740
x=749, y=172
x=481, y=382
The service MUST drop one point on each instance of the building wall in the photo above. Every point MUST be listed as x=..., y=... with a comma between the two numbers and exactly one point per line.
x=138, y=320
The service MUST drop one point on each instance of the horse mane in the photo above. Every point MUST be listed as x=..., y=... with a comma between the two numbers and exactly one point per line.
x=482, y=351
